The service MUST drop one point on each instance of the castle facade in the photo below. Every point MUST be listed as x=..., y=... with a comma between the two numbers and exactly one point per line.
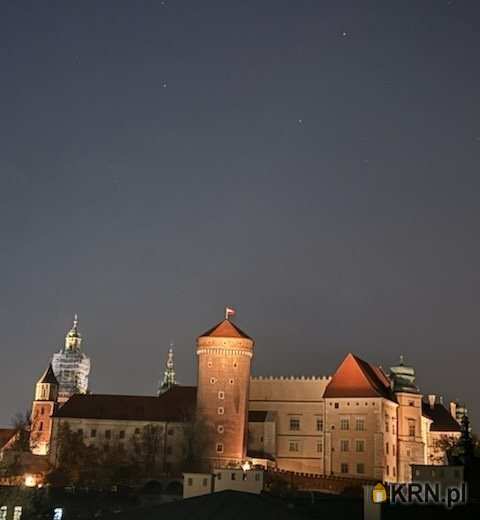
x=360, y=422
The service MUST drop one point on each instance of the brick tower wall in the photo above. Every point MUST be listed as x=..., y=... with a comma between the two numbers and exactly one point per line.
x=222, y=397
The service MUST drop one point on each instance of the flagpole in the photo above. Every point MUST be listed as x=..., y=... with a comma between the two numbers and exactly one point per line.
x=226, y=313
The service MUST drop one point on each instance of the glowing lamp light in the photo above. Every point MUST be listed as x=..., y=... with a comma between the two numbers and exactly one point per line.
x=30, y=480
x=246, y=466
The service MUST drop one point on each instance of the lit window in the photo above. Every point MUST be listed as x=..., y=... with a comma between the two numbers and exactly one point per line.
x=220, y=410
x=343, y=467
x=17, y=512
x=360, y=468
x=294, y=424
x=221, y=395
x=360, y=445
x=3, y=513
x=344, y=445
x=344, y=424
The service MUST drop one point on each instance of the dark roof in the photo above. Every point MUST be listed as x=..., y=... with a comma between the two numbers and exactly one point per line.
x=441, y=417
x=225, y=329
x=48, y=377
x=218, y=506
x=176, y=405
x=257, y=416
x=6, y=434
x=357, y=378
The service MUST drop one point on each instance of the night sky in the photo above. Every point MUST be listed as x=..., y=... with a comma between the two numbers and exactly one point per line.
x=313, y=164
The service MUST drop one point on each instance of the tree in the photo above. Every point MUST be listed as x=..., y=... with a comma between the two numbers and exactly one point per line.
x=147, y=447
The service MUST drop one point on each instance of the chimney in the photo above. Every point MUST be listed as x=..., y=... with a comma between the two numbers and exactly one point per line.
x=431, y=400
x=453, y=409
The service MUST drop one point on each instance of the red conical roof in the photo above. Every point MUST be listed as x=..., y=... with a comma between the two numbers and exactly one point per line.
x=225, y=329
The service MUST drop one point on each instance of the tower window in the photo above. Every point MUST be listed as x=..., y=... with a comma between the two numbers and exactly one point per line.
x=235, y=364
x=209, y=364
x=40, y=426
x=411, y=427
x=220, y=428
x=221, y=395
x=230, y=381
x=220, y=410
x=219, y=447
x=213, y=380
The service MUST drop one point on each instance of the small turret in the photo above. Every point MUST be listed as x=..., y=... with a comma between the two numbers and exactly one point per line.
x=43, y=408
x=403, y=378
x=73, y=339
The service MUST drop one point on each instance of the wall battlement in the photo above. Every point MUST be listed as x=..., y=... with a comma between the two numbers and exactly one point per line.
x=290, y=378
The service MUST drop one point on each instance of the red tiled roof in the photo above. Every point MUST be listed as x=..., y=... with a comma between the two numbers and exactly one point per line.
x=225, y=329
x=441, y=417
x=357, y=378
x=176, y=405
x=6, y=435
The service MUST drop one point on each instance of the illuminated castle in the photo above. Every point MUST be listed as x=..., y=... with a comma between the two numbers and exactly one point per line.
x=361, y=422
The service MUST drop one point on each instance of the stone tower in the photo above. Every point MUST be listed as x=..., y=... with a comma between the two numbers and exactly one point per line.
x=169, y=374
x=410, y=444
x=71, y=366
x=224, y=358
x=44, y=405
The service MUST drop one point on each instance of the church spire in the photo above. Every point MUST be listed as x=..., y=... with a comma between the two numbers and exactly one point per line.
x=169, y=374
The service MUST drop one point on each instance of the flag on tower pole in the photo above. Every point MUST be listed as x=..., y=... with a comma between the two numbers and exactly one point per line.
x=229, y=312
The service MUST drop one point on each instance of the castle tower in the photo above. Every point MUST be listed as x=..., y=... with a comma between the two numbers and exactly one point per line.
x=169, y=374
x=224, y=358
x=71, y=366
x=44, y=405
x=411, y=446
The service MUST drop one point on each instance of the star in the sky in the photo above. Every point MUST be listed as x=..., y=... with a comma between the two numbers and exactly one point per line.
x=344, y=34
x=164, y=84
